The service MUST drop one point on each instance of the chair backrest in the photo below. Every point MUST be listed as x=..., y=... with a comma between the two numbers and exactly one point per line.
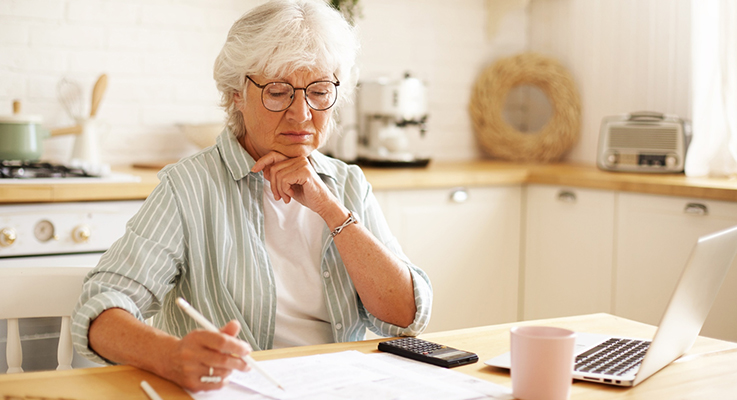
x=39, y=292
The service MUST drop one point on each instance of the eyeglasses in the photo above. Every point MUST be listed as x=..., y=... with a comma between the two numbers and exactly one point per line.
x=278, y=96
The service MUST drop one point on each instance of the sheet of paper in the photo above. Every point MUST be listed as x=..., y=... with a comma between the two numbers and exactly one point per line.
x=356, y=376
x=303, y=376
x=229, y=392
x=447, y=378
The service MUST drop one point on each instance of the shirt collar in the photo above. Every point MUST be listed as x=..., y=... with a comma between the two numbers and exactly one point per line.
x=239, y=162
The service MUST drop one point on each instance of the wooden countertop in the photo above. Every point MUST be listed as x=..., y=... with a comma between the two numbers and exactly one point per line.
x=485, y=173
x=66, y=192
x=436, y=175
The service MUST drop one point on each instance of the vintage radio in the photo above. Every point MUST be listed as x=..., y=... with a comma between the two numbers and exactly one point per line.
x=643, y=142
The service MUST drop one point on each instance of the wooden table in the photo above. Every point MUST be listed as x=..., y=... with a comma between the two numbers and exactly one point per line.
x=708, y=371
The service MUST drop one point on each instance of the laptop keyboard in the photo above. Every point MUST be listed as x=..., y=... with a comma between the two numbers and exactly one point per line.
x=613, y=357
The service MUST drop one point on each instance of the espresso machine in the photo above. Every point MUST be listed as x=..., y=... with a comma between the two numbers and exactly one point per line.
x=391, y=118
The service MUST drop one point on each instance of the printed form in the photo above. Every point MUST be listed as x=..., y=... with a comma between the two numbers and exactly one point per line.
x=358, y=376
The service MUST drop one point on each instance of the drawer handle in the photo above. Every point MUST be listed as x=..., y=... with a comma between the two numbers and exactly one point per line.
x=567, y=196
x=459, y=195
x=696, y=209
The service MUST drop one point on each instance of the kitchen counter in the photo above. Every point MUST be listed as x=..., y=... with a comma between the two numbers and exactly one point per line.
x=489, y=173
x=436, y=175
x=82, y=191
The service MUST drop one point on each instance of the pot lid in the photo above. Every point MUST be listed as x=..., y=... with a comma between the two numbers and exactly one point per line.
x=20, y=119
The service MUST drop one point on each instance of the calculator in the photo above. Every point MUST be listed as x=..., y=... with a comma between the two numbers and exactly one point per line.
x=429, y=352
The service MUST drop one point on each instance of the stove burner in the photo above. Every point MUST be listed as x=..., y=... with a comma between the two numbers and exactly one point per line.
x=30, y=170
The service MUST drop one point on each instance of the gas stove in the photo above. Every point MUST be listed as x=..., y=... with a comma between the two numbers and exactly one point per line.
x=35, y=170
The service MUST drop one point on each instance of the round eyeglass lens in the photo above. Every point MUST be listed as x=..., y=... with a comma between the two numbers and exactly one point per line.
x=277, y=96
x=321, y=95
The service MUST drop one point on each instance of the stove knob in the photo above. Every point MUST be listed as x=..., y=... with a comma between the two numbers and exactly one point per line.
x=7, y=237
x=81, y=234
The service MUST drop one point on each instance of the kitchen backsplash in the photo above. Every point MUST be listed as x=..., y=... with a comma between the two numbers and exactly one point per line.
x=625, y=55
x=158, y=55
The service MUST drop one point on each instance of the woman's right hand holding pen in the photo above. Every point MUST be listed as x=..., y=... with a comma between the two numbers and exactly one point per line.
x=121, y=338
x=203, y=360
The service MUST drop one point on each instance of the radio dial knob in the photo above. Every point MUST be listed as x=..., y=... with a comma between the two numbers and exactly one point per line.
x=81, y=234
x=671, y=160
x=7, y=237
x=612, y=158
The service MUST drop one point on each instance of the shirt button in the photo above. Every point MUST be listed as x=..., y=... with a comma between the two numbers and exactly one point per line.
x=326, y=274
x=338, y=326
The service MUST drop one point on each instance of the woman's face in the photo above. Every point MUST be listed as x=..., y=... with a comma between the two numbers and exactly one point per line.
x=294, y=132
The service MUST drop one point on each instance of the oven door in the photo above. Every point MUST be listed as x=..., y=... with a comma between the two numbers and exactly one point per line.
x=40, y=336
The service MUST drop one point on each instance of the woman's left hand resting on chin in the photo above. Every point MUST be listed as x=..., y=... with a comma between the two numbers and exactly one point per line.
x=295, y=178
x=383, y=282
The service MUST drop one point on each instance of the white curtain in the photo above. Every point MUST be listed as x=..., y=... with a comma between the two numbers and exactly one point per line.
x=713, y=150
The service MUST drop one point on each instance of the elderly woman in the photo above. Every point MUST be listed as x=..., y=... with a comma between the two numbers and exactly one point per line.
x=266, y=237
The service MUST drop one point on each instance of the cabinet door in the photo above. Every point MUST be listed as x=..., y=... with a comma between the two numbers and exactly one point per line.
x=655, y=235
x=467, y=240
x=568, y=251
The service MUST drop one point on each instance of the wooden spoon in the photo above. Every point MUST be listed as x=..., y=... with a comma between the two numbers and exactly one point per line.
x=97, y=92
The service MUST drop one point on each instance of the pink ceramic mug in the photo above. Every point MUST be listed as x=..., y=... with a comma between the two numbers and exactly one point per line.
x=542, y=362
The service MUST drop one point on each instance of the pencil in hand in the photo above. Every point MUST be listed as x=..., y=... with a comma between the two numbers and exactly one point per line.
x=207, y=325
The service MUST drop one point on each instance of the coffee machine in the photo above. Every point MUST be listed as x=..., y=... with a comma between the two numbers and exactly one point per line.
x=391, y=117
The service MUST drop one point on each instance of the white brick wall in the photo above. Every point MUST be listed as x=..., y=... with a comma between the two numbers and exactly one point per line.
x=624, y=56
x=159, y=55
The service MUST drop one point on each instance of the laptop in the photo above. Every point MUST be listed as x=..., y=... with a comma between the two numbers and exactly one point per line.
x=628, y=361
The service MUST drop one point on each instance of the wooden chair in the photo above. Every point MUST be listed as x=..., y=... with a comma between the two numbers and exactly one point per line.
x=39, y=292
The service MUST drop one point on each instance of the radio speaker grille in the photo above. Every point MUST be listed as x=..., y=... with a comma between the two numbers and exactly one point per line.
x=632, y=137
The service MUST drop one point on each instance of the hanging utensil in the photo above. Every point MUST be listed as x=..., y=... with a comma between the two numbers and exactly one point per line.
x=70, y=95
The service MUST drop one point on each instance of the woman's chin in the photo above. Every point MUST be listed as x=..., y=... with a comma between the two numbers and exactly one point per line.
x=294, y=151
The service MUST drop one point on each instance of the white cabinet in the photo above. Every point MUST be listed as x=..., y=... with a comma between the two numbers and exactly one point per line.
x=500, y=254
x=468, y=242
x=568, y=251
x=655, y=235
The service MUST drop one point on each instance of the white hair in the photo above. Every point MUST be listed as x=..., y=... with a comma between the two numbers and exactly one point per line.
x=279, y=38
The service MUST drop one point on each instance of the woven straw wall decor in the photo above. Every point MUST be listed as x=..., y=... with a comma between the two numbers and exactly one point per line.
x=497, y=137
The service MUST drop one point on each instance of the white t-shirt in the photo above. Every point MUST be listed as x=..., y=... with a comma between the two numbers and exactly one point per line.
x=294, y=244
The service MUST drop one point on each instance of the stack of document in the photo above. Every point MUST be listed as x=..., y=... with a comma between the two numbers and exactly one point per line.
x=354, y=375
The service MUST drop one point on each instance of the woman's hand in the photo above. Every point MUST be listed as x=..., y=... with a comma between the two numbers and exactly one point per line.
x=121, y=338
x=294, y=178
x=201, y=350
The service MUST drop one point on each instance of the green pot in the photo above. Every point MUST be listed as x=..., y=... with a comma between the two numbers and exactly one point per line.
x=21, y=138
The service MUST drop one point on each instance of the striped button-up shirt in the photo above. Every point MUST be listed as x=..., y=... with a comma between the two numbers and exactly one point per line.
x=200, y=235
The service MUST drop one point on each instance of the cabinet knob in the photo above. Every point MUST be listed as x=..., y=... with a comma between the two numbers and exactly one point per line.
x=81, y=234
x=459, y=195
x=7, y=237
x=567, y=196
x=696, y=209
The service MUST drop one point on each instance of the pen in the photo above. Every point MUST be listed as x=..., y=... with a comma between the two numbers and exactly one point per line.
x=150, y=392
x=212, y=328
